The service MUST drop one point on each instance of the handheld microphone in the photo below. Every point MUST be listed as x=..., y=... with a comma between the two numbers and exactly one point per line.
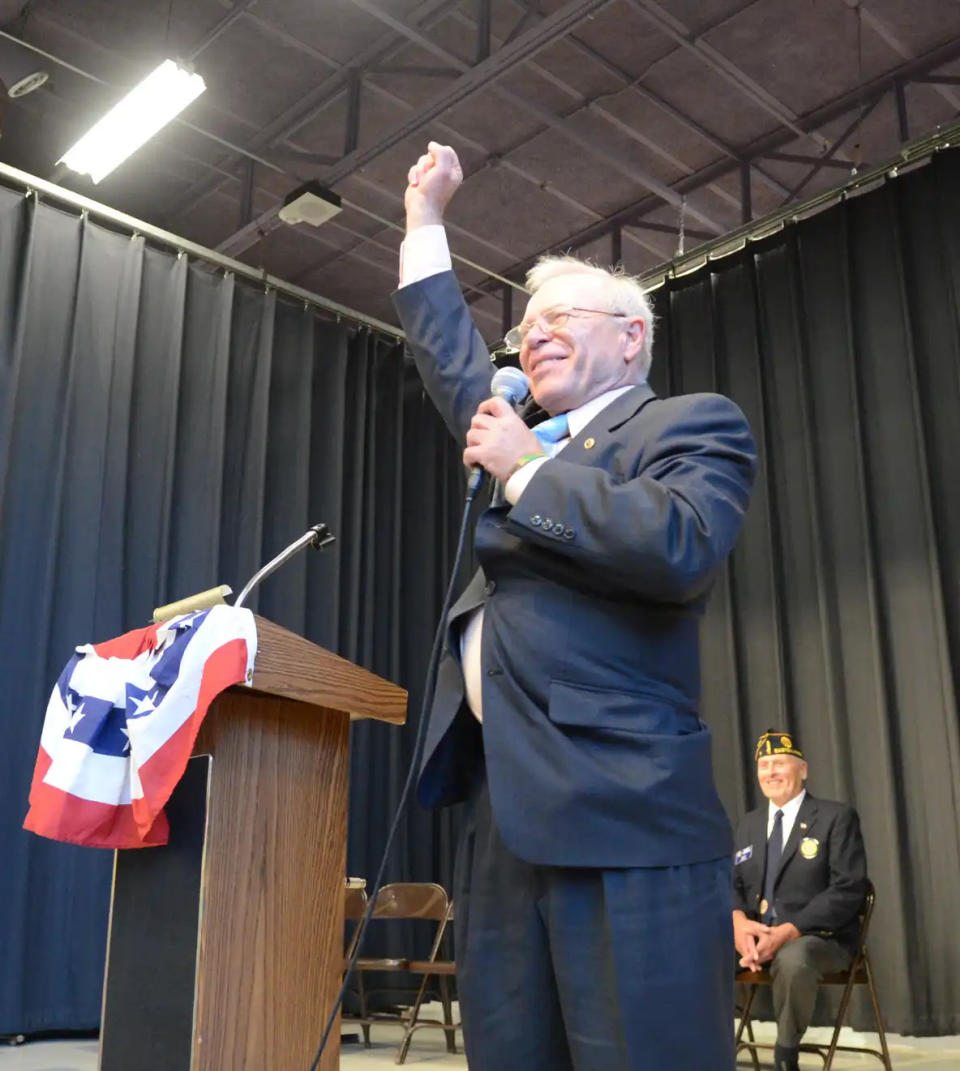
x=513, y=386
x=510, y=383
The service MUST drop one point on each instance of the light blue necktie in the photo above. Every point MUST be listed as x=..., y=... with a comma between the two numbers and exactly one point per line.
x=552, y=431
x=549, y=433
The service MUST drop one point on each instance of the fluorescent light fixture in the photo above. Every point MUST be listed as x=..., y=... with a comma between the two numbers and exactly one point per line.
x=134, y=120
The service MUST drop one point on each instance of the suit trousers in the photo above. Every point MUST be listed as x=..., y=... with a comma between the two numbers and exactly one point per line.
x=589, y=969
x=796, y=971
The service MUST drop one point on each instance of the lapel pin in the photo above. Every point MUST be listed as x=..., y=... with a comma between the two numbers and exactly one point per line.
x=589, y=444
x=803, y=825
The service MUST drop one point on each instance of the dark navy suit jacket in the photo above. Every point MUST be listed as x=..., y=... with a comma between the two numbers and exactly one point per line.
x=593, y=585
x=820, y=884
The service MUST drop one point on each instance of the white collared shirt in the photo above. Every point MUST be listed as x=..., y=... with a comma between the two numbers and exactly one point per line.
x=424, y=252
x=577, y=420
x=790, y=810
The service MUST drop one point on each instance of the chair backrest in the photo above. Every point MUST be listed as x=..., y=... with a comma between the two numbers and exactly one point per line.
x=412, y=900
x=866, y=911
x=354, y=904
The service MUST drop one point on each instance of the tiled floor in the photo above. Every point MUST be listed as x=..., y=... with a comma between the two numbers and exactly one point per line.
x=907, y=1054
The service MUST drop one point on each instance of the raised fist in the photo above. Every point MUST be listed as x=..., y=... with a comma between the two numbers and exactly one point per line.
x=431, y=182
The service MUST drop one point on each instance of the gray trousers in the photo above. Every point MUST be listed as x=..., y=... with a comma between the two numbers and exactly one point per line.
x=796, y=970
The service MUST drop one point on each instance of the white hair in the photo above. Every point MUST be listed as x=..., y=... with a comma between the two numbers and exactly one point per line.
x=625, y=292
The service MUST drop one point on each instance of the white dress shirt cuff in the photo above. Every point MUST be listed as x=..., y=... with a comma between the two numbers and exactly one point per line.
x=424, y=252
x=517, y=483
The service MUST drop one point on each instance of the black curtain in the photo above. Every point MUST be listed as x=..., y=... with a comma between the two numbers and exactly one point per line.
x=839, y=614
x=164, y=428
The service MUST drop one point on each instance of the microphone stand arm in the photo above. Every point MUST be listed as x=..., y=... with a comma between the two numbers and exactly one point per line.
x=318, y=537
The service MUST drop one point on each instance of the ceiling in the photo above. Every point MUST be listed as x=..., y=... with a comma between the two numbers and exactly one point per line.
x=604, y=126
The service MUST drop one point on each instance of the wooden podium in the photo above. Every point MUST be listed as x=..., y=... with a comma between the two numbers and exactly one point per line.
x=225, y=949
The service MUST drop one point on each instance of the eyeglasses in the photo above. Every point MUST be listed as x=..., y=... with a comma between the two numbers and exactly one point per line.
x=549, y=320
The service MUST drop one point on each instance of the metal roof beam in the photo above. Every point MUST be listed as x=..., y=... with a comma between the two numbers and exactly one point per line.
x=351, y=134
x=721, y=65
x=614, y=120
x=770, y=142
x=891, y=40
x=803, y=158
x=668, y=228
x=638, y=89
x=473, y=79
x=458, y=136
x=248, y=160
x=353, y=253
x=938, y=80
x=421, y=71
x=312, y=159
x=491, y=160
x=484, y=30
x=903, y=119
x=612, y=159
x=287, y=150
x=837, y=145
x=519, y=26
x=233, y=15
x=382, y=49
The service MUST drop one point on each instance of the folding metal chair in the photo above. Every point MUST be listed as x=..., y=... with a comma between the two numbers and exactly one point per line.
x=858, y=973
x=404, y=900
x=442, y=970
x=354, y=908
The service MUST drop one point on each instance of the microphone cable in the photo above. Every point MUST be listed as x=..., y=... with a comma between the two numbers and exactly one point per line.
x=429, y=684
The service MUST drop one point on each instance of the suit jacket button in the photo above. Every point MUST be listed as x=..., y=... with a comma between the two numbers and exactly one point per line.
x=536, y=520
x=568, y=533
x=558, y=528
x=547, y=523
x=490, y=587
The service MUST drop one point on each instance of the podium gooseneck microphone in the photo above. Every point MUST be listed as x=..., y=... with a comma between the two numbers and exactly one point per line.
x=318, y=537
x=513, y=386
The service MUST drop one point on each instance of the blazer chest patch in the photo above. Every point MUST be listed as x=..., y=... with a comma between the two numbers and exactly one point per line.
x=809, y=847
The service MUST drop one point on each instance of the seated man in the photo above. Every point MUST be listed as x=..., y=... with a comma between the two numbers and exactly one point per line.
x=798, y=882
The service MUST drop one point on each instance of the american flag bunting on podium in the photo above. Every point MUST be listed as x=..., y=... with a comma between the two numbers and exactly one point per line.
x=122, y=721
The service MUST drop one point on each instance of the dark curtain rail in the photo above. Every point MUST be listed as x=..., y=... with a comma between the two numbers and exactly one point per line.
x=51, y=192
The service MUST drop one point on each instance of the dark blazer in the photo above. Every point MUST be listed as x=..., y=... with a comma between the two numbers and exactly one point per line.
x=593, y=585
x=822, y=877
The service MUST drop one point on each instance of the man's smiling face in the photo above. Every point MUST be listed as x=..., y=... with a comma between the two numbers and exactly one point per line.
x=781, y=777
x=589, y=354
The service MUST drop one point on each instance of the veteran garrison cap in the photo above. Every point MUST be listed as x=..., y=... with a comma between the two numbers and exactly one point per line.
x=776, y=742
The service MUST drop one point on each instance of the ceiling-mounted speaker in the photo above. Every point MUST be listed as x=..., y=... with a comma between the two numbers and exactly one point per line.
x=21, y=70
x=310, y=203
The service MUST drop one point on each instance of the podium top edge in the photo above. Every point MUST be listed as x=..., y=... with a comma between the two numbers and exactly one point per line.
x=293, y=667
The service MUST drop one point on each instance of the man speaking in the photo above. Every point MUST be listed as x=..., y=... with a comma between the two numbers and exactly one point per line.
x=592, y=882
